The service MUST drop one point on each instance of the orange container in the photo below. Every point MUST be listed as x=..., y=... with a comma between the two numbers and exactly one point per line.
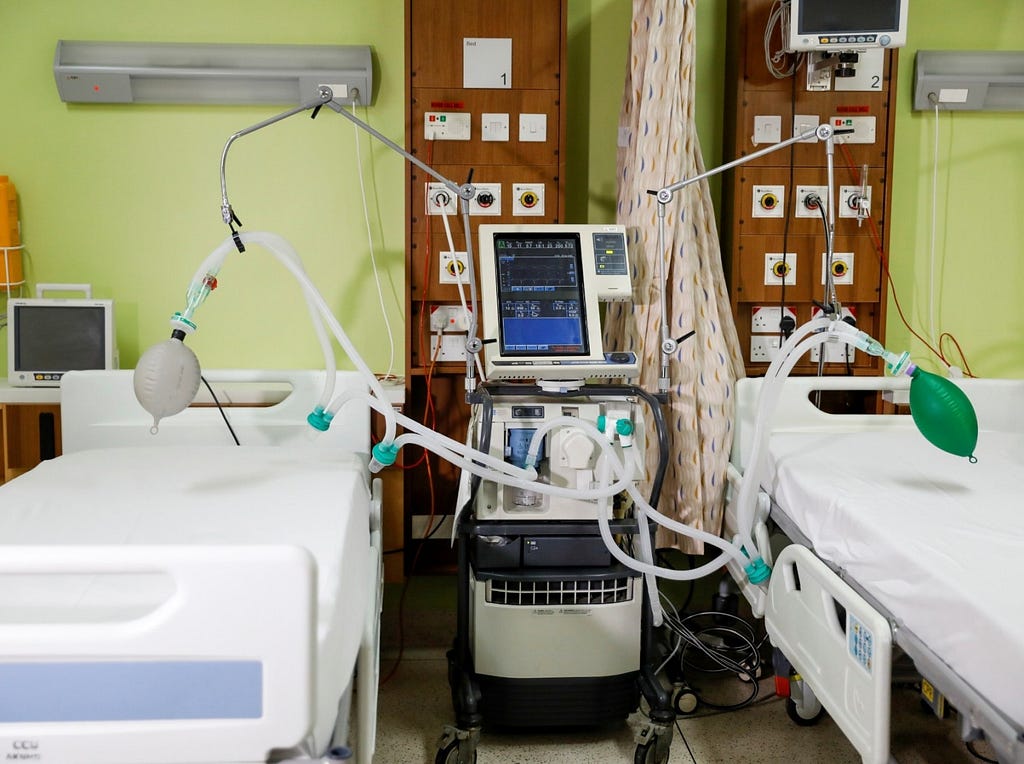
x=11, y=273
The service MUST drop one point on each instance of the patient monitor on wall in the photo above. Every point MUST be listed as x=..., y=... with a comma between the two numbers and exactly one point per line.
x=540, y=291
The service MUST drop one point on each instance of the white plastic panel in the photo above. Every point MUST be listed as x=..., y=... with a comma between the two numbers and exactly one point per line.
x=845, y=657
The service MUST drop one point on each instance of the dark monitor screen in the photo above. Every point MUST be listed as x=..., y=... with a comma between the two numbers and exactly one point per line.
x=824, y=16
x=59, y=338
x=541, y=305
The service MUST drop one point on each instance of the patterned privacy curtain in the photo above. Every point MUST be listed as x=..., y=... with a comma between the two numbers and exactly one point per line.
x=657, y=117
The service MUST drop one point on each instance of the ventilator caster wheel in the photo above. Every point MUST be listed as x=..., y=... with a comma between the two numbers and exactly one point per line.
x=653, y=751
x=684, y=700
x=449, y=754
x=805, y=714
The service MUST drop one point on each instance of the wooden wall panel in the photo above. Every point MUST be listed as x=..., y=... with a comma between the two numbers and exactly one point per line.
x=748, y=238
x=435, y=32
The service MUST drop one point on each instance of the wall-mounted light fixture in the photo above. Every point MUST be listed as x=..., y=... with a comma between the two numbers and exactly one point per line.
x=190, y=73
x=969, y=80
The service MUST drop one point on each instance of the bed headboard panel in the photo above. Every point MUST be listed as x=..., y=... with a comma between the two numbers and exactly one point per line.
x=267, y=407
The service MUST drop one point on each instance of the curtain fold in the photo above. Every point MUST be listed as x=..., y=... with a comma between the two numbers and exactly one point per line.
x=661, y=147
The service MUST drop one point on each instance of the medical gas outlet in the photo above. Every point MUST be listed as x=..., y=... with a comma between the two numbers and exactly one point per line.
x=440, y=200
x=854, y=201
x=842, y=267
x=453, y=268
x=780, y=270
x=528, y=199
x=768, y=201
x=487, y=200
x=810, y=201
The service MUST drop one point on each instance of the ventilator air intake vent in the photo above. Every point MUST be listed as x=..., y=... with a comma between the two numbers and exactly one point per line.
x=569, y=592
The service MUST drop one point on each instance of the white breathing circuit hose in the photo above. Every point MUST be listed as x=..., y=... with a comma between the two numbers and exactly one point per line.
x=470, y=459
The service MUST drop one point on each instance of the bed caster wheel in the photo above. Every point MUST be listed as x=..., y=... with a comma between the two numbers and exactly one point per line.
x=451, y=754
x=653, y=751
x=804, y=714
x=684, y=700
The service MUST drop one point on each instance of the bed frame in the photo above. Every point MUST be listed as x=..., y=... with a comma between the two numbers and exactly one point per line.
x=261, y=602
x=848, y=667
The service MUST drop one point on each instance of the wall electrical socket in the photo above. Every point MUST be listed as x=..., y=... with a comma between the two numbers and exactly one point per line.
x=802, y=192
x=448, y=318
x=767, y=201
x=440, y=200
x=487, y=200
x=453, y=267
x=527, y=198
x=764, y=348
x=842, y=267
x=835, y=352
x=777, y=271
x=766, y=319
x=452, y=347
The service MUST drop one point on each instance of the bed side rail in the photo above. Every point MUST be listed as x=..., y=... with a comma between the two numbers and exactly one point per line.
x=217, y=669
x=845, y=656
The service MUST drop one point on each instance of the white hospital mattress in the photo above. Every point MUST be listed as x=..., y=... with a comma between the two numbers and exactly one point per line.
x=938, y=541
x=221, y=495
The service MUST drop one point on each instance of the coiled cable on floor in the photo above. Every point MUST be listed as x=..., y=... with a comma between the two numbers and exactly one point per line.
x=715, y=643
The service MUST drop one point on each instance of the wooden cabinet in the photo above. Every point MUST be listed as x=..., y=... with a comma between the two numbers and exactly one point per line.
x=30, y=433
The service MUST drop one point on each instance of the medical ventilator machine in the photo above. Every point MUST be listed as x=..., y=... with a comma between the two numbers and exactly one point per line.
x=557, y=592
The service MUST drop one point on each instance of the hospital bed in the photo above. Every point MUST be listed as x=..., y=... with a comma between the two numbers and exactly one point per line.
x=898, y=546
x=169, y=598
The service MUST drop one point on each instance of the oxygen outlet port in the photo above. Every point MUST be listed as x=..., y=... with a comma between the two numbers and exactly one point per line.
x=528, y=199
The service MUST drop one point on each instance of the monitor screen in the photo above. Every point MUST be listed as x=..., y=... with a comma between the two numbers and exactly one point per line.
x=59, y=338
x=827, y=16
x=541, y=285
x=830, y=26
x=541, y=305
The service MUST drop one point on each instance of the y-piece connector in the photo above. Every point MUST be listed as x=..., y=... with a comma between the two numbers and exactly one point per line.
x=320, y=419
x=383, y=455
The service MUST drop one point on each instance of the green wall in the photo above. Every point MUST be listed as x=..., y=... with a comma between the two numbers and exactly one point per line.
x=127, y=197
x=979, y=272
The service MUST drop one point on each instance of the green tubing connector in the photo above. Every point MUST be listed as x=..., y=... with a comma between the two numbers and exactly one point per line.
x=758, y=571
x=320, y=419
x=624, y=427
x=385, y=453
x=943, y=414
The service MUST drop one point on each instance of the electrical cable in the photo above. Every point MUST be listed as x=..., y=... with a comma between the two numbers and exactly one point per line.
x=389, y=374
x=220, y=408
x=777, y=18
x=783, y=334
x=734, y=650
x=884, y=262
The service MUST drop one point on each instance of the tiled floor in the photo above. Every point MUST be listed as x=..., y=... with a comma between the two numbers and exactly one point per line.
x=415, y=705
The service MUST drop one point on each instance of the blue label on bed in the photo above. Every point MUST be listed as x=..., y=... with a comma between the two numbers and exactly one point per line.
x=861, y=641
x=102, y=691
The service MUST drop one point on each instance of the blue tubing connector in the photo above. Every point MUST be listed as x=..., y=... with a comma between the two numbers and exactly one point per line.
x=758, y=571
x=320, y=419
x=624, y=427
